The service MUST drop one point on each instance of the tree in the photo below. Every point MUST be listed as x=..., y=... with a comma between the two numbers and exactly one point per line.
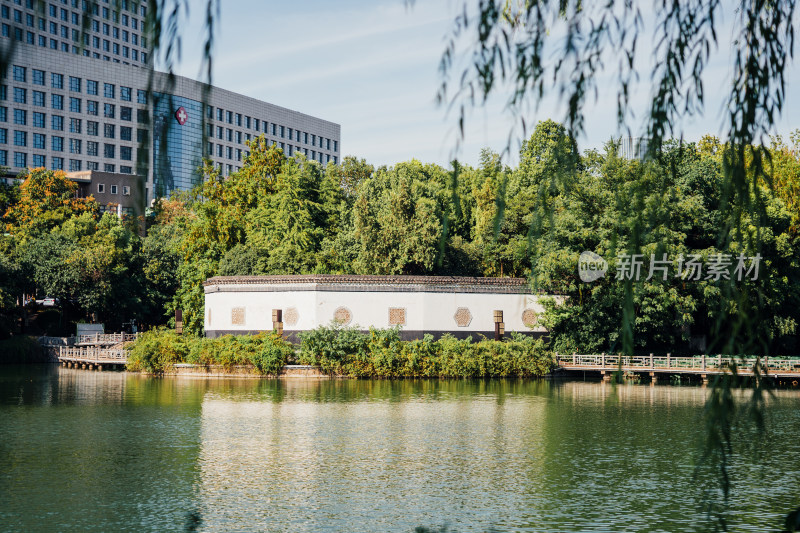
x=398, y=219
x=47, y=198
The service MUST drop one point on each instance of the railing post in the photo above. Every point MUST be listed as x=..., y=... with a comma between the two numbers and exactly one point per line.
x=603, y=360
x=719, y=361
x=703, y=361
x=651, y=361
x=574, y=357
x=668, y=357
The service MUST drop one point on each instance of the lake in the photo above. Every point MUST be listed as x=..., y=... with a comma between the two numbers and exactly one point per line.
x=112, y=451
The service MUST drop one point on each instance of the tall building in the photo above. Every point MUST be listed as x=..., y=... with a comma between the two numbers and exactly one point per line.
x=75, y=97
x=633, y=147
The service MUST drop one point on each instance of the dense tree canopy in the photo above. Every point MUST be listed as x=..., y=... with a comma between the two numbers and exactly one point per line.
x=282, y=215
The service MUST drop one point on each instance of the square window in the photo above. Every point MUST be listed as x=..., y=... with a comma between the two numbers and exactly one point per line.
x=108, y=90
x=101, y=188
x=108, y=110
x=125, y=93
x=20, y=159
x=38, y=119
x=57, y=101
x=20, y=95
x=92, y=128
x=75, y=105
x=74, y=84
x=109, y=131
x=92, y=148
x=57, y=143
x=20, y=117
x=109, y=167
x=125, y=113
x=57, y=80
x=20, y=138
x=109, y=151
x=39, y=141
x=39, y=161
x=125, y=153
x=57, y=123
x=38, y=77
x=20, y=73
x=125, y=133
x=126, y=190
x=113, y=189
x=91, y=87
x=141, y=96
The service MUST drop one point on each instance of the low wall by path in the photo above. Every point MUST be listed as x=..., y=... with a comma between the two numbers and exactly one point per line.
x=243, y=371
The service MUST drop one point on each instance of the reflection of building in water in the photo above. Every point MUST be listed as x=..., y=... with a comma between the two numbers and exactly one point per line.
x=336, y=456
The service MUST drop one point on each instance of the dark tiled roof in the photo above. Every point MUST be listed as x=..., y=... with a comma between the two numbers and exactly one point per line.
x=327, y=279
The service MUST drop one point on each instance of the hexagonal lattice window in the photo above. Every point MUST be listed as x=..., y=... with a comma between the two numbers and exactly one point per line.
x=530, y=318
x=343, y=316
x=462, y=317
x=397, y=316
x=291, y=316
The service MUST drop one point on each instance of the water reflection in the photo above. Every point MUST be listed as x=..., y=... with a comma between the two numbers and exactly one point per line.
x=111, y=451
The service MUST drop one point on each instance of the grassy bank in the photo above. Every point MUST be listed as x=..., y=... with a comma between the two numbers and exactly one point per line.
x=348, y=352
x=21, y=349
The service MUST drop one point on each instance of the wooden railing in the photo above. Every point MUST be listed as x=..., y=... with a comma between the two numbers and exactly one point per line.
x=695, y=363
x=105, y=338
x=92, y=355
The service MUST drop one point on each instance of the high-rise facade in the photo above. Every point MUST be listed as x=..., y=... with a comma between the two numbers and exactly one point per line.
x=75, y=97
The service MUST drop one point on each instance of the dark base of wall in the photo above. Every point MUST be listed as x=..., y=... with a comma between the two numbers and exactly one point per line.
x=406, y=335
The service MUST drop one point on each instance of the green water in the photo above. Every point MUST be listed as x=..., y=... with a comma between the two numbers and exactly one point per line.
x=92, y=451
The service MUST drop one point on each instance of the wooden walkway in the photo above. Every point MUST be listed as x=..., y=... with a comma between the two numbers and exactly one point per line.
x=96, y=351
x=699, y=365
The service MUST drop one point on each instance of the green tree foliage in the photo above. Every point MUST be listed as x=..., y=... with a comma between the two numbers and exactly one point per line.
x=46, y=199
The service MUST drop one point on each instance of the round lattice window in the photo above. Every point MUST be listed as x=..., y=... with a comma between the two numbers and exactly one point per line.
x=530, y=318
x=291, y=316
x=343, y=316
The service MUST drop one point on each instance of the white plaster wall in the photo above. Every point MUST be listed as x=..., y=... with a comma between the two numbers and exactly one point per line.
x=425, y=311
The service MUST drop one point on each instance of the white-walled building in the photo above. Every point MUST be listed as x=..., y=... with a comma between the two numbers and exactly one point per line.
x=460, y=306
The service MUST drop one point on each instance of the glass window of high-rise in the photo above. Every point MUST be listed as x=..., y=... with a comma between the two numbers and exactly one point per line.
x=177, y=143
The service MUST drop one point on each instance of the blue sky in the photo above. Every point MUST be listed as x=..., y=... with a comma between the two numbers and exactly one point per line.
x=372, y=66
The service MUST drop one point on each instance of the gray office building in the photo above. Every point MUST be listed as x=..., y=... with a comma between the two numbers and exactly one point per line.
x=78, y=100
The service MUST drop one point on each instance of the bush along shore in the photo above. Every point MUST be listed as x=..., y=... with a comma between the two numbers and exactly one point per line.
x=337, y=351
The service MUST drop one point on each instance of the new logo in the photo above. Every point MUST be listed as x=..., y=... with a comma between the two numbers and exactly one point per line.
x=181, y=116
x=591, y=267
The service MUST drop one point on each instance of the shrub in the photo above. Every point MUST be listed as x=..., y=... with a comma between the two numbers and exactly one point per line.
x=157, y=351
x=381, y=353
